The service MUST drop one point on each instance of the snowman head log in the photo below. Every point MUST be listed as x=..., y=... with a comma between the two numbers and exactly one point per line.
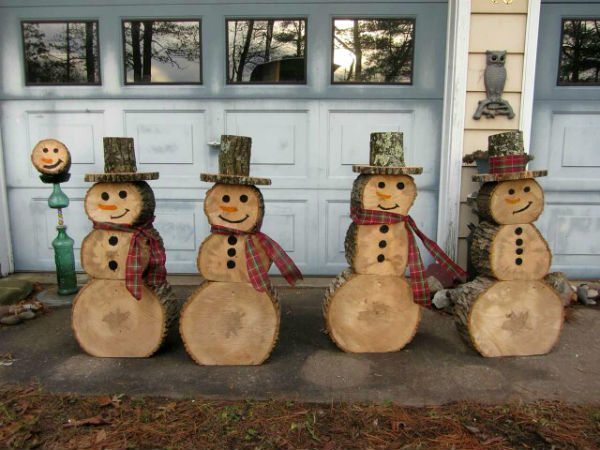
x=128, y=203
x=51, y=157
x=391, y=193
x=235, y=206
x=511, y=202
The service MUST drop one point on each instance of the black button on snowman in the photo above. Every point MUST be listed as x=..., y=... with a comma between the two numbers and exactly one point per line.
x=509, y=310
x=126, y=307
x=233, y=318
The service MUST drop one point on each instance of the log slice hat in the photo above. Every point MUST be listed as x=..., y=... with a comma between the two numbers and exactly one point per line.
x=119, y=163
x=234, y=163
x=387, y=156
x=507, y=159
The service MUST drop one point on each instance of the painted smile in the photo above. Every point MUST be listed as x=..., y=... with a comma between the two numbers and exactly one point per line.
x=52, y=166
x=118, y=217
x=522, y=209
x=233, y=221
x=387, y=209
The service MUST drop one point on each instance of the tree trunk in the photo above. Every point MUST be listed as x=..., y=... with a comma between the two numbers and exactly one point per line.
x=244, y=54
x=90, y=60
x=136, y=51
x=225, y=323
x=357, y=51
x=508, y=318
x=299, y=40
x=68, y=54
x=147, y=52
x=268, y=40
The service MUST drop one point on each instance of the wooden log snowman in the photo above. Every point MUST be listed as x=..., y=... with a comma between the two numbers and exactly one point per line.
x=233, y=317
x=372, y=307
x=509, y=310
x=126, y=308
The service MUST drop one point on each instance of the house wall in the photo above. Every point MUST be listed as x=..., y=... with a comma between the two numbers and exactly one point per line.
x=494, y=26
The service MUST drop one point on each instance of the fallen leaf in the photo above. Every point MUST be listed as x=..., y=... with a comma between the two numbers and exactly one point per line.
x=473, y=430
x=100, y=436
x=96, y=420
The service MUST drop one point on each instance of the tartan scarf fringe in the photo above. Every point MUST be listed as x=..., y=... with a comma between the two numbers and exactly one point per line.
x=419, y=284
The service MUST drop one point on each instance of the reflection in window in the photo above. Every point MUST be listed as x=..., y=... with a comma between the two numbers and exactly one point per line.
x=580, y=52
x=373, y=51
x=162, y=51
x=61, y=52
x=266, y=50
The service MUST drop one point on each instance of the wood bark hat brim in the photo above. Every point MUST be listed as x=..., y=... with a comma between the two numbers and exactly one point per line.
x=234, y=163
x=487, y=177
x=119, y=163
x=386, y=156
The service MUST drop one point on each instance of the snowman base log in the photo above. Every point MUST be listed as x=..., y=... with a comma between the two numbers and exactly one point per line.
x=109, y=322
x=370, y=313
x=510, y=252
x=508, y=318
x=227, y=324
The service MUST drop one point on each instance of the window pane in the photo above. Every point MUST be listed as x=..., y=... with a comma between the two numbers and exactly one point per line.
x=162, y=51
x=266, y=51
x=61, y=52
x=373, y=51
x=580, y=52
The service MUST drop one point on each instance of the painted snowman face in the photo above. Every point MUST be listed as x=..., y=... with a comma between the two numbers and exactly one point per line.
x=50, y=157
x=120, y=203
x=234, y=206
x=517, y=201
x=393, y=193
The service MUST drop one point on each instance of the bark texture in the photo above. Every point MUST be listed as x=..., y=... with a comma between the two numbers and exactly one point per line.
x=234, y=157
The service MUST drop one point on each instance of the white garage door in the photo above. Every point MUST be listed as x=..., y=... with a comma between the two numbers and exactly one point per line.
x=566, y=133
x=306, y=135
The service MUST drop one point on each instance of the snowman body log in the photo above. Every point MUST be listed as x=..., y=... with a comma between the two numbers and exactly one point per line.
x=107, y=320
x=369, y=307
x=509, y=310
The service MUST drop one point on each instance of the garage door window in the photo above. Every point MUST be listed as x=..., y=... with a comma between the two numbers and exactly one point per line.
x=580, y=52
x=372, y=51
x=61, y=53
x=162, y=51
x=266, y=51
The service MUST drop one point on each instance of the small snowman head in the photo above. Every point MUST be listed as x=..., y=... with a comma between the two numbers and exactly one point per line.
x=515, y=201
x=130, y=203
x=51, y=157
x=234, y=206
x=391, y=193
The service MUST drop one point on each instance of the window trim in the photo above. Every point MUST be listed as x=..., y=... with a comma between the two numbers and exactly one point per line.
x=372, y=83
x=27, y=83
x=161, y=83
x=559, y=82
x=263, y=83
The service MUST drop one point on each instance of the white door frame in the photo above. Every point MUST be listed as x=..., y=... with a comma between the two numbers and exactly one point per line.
x=6, y=256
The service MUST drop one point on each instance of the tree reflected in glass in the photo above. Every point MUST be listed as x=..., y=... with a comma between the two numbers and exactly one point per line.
x=373, y=51
x=580, y=52
x=162, y=51
x=266, y=50
x=61, y=52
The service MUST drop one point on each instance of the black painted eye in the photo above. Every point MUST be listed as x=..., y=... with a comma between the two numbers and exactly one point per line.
x=511, y=191
x=494, y=58
x=526, y=188
x=226, y=198
x=400, y=185
x=122, y=194
x=105, y=196
x=55, y=150
x=45, y=150
x=381, y=185
x=243, y=198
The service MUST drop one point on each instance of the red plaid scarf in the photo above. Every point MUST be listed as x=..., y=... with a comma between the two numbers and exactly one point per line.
x=257, y=272
x=415, y=263
x=156, y=274
x=508, y=163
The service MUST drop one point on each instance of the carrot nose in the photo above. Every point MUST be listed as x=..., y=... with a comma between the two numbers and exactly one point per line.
x=512, y=202
x=228, y=208
x=383, y=196
x=107, y=207
x=47, y=160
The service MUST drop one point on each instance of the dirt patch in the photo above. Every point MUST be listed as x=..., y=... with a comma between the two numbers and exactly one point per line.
x=31, y=418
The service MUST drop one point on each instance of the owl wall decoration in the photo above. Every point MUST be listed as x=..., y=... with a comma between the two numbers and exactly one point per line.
x=494, y=78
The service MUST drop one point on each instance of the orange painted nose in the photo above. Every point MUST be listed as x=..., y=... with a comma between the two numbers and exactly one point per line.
x=512, y=202
x=228, y=208
x=107, y=207
x=383, y=196
x=47, y=160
